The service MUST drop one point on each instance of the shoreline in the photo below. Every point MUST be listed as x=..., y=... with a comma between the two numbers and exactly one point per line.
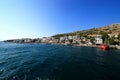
x=84, y=45
x=92, y=46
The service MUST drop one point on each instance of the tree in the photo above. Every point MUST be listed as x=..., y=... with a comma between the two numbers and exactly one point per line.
x=111, y=41
x=70, y=40
x=92, y=40
x=109, y=32
x=104, y=36
x=119, y=36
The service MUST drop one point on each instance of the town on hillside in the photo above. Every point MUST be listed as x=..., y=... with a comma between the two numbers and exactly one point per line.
x=109, y=35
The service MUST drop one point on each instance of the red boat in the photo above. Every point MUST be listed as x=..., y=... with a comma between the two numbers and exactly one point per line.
x=104, y=47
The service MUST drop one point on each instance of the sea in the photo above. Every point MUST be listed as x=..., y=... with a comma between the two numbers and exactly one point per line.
x=57, y=62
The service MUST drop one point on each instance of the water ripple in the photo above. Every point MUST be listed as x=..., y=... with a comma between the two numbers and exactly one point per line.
x=57, y=62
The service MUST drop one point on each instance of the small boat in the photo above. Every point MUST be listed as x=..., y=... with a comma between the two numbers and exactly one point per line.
x=104, y=47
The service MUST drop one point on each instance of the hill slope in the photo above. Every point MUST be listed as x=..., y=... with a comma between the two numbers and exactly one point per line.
x=112, y=30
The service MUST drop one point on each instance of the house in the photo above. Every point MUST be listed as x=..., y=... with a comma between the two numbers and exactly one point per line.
x=70, y=37
x=27, y=40
x=18, y=40
x=83, y=39
x=38, y=40
x=116, y=36
x=76, y=37
x=74, y=42
x=62, y=38
x=110, y=35
x=44, y=40
x=98, y=40
x=67, y=42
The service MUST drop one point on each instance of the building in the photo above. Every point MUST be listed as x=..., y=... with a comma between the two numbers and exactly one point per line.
x=27, y=40
x=62, y=38
x=116, y=35
x=70, y=37
x=98, y=40
x=76, y=37
x=44, y=40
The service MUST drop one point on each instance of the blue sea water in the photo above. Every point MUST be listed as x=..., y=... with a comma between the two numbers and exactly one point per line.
x=57, y=62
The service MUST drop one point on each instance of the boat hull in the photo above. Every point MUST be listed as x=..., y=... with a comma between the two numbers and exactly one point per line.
x=104, y=47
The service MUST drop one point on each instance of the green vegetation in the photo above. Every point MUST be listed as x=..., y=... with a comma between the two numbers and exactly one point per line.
x=70, y=40
x=91, y=33
x=115, y=28
x=92, y=39
x=119, y=36
x=110, y=35
x=111, y=41
x=104, y=36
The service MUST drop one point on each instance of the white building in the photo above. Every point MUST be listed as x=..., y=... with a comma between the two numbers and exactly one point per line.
x=62, y=38
x=116, y=36
x=70, y=37
x=98, y=39
x=44, y=39
x=76, y=37
x=27, y=40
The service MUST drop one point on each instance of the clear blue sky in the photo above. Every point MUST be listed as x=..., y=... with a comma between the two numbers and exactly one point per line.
x=38, y=18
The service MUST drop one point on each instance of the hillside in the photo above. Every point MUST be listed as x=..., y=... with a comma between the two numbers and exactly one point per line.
x=112, y=30
x=109, y=35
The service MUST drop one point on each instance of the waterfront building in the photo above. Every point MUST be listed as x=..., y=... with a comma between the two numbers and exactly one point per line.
x=98, y=40
x=84, y=39
x=67, y=42
x=44, y=40
x=62, y=38
x=70, y=37
x=38, y=41
x=27, y=40
x=18, y=40
x=74, y=42
x=76, y=37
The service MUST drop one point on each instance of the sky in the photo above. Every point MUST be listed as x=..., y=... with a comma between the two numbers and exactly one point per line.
x=43, y=18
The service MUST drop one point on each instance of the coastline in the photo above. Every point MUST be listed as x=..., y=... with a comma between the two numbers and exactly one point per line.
x=92, y=46
x=84, y=45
